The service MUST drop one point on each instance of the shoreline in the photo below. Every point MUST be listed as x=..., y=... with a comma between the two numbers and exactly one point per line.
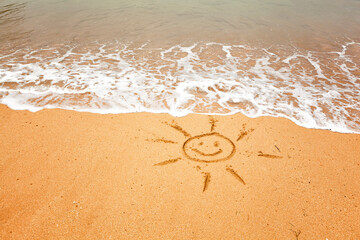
x=180, y=115
x=68, y=174
x=310, y=88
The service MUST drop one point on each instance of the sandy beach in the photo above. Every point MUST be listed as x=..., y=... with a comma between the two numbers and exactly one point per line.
x=113, y=126
x=73, y=175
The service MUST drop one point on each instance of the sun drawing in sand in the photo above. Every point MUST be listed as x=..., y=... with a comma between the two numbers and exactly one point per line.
x=211, y=147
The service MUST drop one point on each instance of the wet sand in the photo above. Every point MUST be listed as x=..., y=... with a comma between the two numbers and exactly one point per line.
x=73, y=175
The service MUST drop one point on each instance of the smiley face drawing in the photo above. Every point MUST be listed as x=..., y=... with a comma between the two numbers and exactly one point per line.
x=208, y=148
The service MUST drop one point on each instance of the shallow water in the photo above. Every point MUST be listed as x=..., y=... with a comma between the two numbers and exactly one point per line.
x=300, y=23
x=295, y=59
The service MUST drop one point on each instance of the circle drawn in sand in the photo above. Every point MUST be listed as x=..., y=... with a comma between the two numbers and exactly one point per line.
x=208, y=148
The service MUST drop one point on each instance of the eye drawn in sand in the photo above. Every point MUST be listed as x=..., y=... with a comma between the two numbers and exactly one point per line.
x=211, y=147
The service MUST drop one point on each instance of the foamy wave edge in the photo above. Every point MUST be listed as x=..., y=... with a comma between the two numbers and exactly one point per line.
x=19, y=99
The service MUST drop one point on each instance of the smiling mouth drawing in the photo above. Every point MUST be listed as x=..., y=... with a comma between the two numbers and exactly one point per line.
x=206, y=154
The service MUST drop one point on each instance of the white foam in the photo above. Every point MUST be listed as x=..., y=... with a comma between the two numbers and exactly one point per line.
x=315, y=90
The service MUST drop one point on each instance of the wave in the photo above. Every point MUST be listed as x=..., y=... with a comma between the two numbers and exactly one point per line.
x=314, y=89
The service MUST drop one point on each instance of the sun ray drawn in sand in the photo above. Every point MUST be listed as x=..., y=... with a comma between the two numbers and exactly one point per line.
x=209, y=148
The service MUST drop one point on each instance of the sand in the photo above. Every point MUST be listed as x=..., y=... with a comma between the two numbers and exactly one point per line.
x=73, y=175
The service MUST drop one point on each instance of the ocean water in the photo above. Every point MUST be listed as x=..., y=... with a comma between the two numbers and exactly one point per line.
x=287, y=58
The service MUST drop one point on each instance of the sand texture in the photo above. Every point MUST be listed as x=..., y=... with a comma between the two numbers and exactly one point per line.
x=72, y=175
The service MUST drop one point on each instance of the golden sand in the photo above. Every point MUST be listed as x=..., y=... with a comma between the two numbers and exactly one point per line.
x=72, y=175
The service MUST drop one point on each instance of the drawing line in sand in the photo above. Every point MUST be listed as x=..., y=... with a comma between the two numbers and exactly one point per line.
x=178, y=128
x=161, y=140
x=211, y=147
x=206, y=181
x=167, y=162
x=261, y=154
x=235, y=174
x=212, y=122
x=244, y=132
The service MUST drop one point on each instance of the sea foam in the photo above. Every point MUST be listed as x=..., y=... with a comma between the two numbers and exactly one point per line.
x=313, y=89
